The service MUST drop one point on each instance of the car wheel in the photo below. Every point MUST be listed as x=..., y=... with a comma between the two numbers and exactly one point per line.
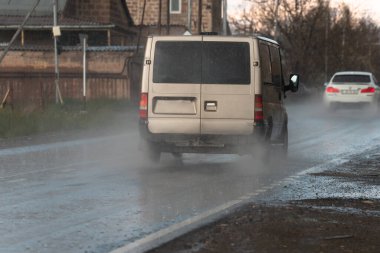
x=332, y=107
x=374, y=107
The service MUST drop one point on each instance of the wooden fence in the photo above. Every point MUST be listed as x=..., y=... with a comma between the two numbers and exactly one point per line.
x=25, y=89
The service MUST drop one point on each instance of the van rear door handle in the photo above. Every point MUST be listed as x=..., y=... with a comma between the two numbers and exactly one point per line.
x=211, y=106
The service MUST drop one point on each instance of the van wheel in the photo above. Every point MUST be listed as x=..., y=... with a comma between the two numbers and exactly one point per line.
x=280, y=148
x=153, y=153
x=261, y=152
x=285, y=141
x=177, y=155
x=178, y=158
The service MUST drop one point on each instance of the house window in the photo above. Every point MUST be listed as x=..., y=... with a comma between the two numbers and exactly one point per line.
x=175, y=6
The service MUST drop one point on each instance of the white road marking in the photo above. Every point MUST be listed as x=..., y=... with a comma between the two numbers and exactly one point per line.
x=48, y=169
x=17, y=180
x=44, y=147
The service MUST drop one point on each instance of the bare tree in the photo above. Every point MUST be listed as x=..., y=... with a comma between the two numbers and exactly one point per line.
x=317, y=39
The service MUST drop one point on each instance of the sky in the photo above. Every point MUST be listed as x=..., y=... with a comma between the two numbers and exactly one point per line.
x=369, y=7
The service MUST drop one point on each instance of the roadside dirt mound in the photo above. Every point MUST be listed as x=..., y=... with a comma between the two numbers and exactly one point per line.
x=318, y=225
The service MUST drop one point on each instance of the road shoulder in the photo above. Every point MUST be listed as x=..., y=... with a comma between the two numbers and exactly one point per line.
x=333, y=209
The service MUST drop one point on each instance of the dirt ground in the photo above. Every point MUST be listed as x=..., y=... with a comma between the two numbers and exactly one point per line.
x=300, y=225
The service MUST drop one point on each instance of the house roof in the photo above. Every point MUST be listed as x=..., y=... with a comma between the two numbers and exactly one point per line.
x=22, y=7
x=13, y=12
x=46, y=22
x=72, y=48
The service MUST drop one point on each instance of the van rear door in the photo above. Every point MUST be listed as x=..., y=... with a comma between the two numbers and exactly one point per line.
x=227, y=92
x=174, y=85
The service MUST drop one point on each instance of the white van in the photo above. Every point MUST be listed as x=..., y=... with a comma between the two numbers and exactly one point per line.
x=212, y=94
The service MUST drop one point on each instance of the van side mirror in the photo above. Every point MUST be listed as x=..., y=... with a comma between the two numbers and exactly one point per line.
x=294, y=81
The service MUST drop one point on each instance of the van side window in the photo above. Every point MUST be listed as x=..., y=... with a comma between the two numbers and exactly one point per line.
x=177, y=62
x=226, y=63
x=266, y=71
x=276, y=65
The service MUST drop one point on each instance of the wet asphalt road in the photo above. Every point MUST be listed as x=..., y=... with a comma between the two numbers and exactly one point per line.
x=96, y=194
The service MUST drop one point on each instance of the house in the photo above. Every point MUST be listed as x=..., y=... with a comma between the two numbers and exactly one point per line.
x=171, y=16
x=105, y=22
x=27, y=73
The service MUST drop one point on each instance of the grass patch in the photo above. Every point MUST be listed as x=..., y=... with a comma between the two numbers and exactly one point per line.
x=70, y=116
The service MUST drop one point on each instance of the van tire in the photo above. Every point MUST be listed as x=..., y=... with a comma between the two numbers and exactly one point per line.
x=152, y=151
x=285, y=141
x=177, y=155
x=154, y=155
x=280, y=149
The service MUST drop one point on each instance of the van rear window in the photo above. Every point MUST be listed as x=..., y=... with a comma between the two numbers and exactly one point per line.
x=177, y=62
x=351, y=79
x=226, y=63
x=202, y=62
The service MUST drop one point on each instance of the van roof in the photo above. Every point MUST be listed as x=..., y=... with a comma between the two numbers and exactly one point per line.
x=178, y=37
x=267, y=40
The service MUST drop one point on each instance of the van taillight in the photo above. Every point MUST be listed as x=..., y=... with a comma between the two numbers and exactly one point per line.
x=368, y=90
x=143, y=112
x=259, y=115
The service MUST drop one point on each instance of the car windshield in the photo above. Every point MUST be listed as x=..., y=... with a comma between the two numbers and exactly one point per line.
x=352, y=79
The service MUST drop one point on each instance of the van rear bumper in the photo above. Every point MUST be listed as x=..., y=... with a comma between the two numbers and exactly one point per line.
x=189, y=143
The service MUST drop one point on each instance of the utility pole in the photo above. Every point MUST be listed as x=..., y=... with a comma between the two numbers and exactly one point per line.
x=168, y=17
x=277, y=5
x=199, y=16
x=159, y=16
x=343, y=42
x=56, y=34
x=224, y=17
x=327, y=27
x=83, y=38
x=189, y=12
x=141, y=27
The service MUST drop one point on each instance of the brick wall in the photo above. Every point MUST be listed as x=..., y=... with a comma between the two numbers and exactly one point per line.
x=98, y=10
x=94, y=10
x=102, y=11
x=211, y=12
